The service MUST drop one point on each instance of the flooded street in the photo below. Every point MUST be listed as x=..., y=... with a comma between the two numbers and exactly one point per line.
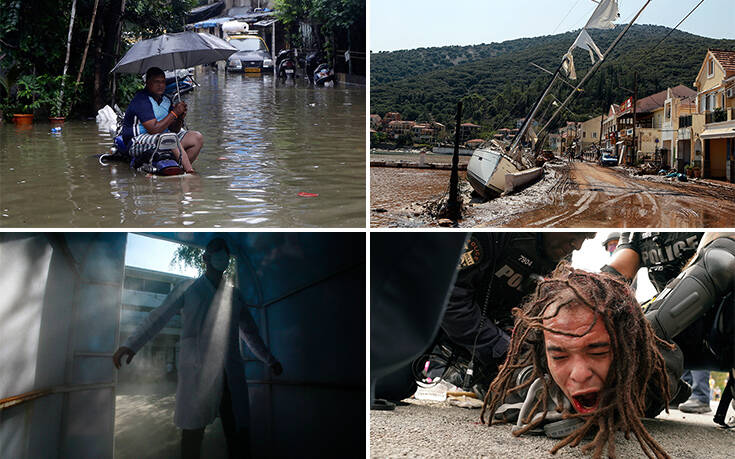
x=264, y=143
x=591, y=196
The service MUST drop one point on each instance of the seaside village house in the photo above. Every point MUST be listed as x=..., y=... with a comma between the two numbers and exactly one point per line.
x=590, y=132
x=609, y=128
x=677, y=115
x=651, y=117
x=657, y=121
x=375, y=121
x=468, y=131
x=394, y=126
x=569, y=135
x=398, y=128
x=713, y=124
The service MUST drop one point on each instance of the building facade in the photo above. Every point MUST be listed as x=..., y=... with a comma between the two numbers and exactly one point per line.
x=713, y=127
x=590, y=132
x=143, y=291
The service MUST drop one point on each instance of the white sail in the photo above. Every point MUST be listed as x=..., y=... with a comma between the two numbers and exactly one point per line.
x=584, y=41
x=604, y=15
x=568, y=64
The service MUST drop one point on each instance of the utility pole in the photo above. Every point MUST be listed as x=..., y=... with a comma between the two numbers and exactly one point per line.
x=602, y=118
x=453, y=204
x=635, y=99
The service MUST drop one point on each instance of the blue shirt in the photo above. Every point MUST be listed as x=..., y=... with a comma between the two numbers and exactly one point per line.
x=143, y=108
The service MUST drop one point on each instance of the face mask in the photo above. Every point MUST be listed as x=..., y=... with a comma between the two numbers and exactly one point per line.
x=219, y=260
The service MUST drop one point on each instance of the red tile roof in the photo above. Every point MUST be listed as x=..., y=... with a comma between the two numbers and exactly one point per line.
x=654, y=101
x=726, y=59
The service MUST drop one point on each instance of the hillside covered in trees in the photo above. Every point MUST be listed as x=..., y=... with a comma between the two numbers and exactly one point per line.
x=497, y=83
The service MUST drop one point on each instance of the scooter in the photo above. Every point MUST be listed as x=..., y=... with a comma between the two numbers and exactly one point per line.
x=318, y=71
x=324, y=76
x=159, y=160
x=286, y=64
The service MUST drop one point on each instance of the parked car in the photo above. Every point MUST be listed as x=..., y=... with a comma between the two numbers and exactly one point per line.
x=609, y=159
x=253, y=54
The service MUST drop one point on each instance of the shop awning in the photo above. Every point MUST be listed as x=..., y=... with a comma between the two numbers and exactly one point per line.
x=214, y=22
x=719, y=132
x=265, y=22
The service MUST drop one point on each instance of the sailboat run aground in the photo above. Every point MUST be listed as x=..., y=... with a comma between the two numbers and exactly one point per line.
x=492, y=171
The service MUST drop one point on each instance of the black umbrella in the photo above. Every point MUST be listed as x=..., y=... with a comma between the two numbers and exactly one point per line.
x=174, y=51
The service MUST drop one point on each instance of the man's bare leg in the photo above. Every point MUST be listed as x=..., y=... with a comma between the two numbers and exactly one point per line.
x=185, y=163
x=192, y=143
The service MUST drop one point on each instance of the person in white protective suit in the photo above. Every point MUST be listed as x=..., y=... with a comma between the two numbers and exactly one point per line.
x=211, y=371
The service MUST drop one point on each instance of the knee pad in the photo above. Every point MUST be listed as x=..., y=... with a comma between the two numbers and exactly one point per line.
x=695, y=291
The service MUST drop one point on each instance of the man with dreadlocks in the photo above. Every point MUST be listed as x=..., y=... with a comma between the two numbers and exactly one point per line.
x=495, y=272
x=582, y=359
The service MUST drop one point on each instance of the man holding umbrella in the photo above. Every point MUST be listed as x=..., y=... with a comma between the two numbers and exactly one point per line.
x=151, y=113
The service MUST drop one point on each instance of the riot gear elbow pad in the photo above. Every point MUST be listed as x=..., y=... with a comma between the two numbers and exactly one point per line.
x=610, y=270
x=695, y=290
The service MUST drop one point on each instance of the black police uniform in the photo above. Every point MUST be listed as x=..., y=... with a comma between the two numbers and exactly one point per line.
x=496, y=271
x=694, y=308
x=494, y=274
x=664, y=254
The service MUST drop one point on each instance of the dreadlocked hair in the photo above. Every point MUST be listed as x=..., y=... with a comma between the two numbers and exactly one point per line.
x=637, y=365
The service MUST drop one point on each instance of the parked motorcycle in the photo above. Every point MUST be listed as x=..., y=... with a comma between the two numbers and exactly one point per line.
x=317, y=70
x=323, y=76
x=286, y=64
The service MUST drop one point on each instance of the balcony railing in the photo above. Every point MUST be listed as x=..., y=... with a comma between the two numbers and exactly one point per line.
x=685, y=121
x=716, y=116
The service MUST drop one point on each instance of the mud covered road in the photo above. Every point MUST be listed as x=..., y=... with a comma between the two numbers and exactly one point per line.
x=591, y=196
x=571, y=195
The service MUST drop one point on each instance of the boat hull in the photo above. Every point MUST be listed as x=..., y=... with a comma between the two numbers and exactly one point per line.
x=486, y=172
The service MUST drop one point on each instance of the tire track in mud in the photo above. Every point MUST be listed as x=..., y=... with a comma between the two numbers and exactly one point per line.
x=590, y=196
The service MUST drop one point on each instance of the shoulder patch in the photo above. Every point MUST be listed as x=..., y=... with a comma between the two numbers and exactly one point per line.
x=472, y=253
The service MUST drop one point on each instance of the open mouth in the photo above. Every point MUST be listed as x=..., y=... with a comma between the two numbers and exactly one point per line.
x=587, y=402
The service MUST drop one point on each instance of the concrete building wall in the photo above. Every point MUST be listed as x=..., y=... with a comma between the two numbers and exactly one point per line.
x=59, y=318
x=646, y=138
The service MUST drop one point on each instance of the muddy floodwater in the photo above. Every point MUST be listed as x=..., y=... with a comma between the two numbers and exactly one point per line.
x=393, y=190
x=264, y=144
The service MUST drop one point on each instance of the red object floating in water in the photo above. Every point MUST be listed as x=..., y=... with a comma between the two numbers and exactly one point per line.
x=308, y=195
x=221, y=158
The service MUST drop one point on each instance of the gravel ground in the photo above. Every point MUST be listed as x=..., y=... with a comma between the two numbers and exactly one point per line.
x=438, y=430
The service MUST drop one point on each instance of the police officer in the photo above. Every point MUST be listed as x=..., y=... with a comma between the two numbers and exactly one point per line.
x=495, y=272
x=663, y=253
x=611, y=242
x=695, y=309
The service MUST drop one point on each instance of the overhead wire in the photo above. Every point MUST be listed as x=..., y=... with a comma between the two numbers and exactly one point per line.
x=648, y=53
x=672, y=30
x=565, y=17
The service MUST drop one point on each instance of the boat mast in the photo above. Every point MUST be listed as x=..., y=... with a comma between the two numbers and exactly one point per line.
x=527, y=122
x=590, y=73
